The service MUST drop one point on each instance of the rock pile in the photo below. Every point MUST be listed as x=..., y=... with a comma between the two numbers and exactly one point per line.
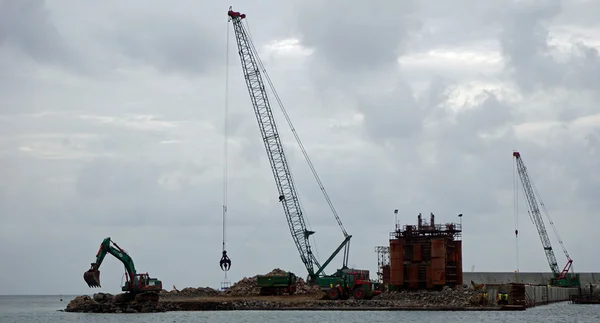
x=105, y=303
x=458, y=297
x=445, y=299
x=246, y=286
x=303, y=288
x=249, y=285
x=190, y=292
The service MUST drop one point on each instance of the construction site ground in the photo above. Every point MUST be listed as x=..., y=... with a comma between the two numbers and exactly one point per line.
x=310, y=302
x=229, y=298
x=244, y=295
x=102, y=303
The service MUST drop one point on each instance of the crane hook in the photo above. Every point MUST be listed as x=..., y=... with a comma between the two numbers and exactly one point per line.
x=225, y=262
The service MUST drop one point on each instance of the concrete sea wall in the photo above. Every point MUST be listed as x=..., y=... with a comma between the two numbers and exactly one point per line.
x=536, y=285
x=536, y=294
x=533, y=278
x=539, y=295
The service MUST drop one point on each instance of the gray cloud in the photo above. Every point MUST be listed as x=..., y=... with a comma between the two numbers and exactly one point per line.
x=396, y=114
x=170, y=45
x=415, y=106
x=360, y=37
x=28, y=26
x=532, y=59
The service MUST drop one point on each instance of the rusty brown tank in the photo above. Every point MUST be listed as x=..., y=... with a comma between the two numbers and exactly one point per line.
x=425, y=256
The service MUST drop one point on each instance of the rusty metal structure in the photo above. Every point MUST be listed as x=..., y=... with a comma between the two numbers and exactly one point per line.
x=383, y=264
x=425, y=256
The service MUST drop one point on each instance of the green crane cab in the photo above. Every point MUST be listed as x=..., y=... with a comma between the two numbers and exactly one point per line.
x=138, y=286
x=568, y=280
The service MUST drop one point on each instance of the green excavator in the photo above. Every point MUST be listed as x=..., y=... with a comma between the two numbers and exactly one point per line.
x=138, y=287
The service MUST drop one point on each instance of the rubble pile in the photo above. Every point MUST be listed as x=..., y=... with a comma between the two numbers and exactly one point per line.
x=277, y=272
x=303, y=288
x=190, y=292
x=249, y=286
x=445, y=299
x=246, y=286
x=105, y=303
x=459, y=297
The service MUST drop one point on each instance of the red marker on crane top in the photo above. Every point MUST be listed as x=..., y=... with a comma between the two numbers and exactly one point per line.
x=235, y=14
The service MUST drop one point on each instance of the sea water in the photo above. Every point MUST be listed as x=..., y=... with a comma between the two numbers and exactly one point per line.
x=46, y=309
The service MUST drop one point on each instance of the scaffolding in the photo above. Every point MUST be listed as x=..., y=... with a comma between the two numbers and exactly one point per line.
x=383, y=264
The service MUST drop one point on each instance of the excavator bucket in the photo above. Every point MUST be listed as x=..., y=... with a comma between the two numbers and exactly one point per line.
x=92, y=278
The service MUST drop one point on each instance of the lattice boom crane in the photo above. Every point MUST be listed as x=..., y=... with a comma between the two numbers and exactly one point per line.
x=288, y=196
x=561, y=278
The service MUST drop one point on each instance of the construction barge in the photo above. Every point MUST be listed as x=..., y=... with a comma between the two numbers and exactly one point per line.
x=248, y=295
x=88, y=304
x=218, y=306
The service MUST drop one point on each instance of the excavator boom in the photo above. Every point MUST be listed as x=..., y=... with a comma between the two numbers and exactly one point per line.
x=92, y=276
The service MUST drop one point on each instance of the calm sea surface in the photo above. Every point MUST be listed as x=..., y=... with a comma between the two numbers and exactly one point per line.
x=43, y=309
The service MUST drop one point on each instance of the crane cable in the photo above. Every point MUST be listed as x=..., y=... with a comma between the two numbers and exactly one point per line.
x=225, y=262
x=547, y=214
x=225, y=135
x=293, y=130
x=516, y=209
x=265, y=215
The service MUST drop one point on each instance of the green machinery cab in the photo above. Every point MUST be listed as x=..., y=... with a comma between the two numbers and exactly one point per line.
x=348, y=282
x=570, y=280
x=277, y=284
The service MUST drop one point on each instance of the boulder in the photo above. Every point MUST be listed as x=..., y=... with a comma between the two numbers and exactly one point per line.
x=104, y=298
x=82, y=303
x=107, y=303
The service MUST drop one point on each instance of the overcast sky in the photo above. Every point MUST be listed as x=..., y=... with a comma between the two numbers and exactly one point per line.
x=112, y=113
